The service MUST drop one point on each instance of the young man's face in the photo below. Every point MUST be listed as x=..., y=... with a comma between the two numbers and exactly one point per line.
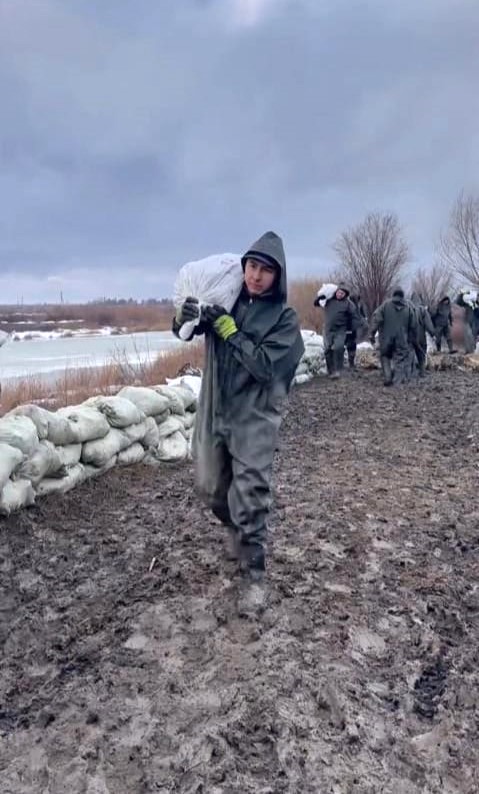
x=340, y=294
x=258, y=277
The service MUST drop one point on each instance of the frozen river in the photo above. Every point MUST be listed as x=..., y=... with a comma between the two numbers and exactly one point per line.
x=50, y=356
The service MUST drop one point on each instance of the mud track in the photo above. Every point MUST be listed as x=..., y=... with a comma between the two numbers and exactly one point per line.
x=361, y=677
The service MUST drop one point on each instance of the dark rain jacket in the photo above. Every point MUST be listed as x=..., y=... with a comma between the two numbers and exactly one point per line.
x=245, y=383
x=424, y=322
x=340, y=315
x=442, y=316
x=397, y=324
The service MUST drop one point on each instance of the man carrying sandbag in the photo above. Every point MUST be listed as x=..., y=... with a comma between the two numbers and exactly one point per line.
x=340, y=316
x=397, y=324
x=251, y=358
x=442, y=321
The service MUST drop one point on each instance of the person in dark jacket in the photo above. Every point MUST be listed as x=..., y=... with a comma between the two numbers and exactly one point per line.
x=442, y=321
x=397, y=324
x=353, y=335
x=470, y=322
x=251, y=358
x=339, y=317
x=424, y=326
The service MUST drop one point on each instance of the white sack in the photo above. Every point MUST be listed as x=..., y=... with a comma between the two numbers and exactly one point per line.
x=172, y=449
x=10, y=460
x=137, y=432
x=160, y=418
x=15, y=495
x=470, y=298
x=366, y=346
x=89, y=424
x=152, y=434
x=172, y=425
x=147, y=400
x=175, y=401
x=19, y=432
x=92, y=472
x=216, y=279
x=192, y=382
x=299, y=379
x=133, y=454
x=325, y=293
x=39, y=417
x=101, y=450
x=69, y=454
x=50, y=425
x=45, y=462
x=188, y=420
x=75, y=476
x=118, y=411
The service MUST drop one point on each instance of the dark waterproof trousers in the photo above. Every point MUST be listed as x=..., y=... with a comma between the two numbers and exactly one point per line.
x=399, y=355
x=443, y=333
x=334, y=342
x=420, y=349
x=469, y=339
x=351, y=346
x=242, y=496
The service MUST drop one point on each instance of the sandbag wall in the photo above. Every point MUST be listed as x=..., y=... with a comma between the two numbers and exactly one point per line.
x=43, y=452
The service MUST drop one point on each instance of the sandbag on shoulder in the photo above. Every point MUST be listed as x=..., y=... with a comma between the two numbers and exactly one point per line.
x=89, y=423
x=49, y=424
x=147, y=400
x=131, y=455
x=75, y=476
x=119, y=411
x=10, y=459
x=15, y=495
x=45, y=462
x=19, y=432
x=100, y=451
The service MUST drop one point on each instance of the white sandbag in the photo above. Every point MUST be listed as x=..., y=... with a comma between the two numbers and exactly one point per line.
x=74, y=477
x=15, y=495
x=188, y=420
x=92, y=472
x=45, y=462
x=172, y=449
x=299, y=379
x=10, y=460
x=147, y=400
x=50, y=425
x=19, y=432
x=215, y=279
x=302, y=368
x=470, y=298
x=133, y=454
x=101, y=450
x=39, y=417
x=175, y=401
x=160, y=418
x=172, y=425
x=152, y=435
x=191, y=382
x=118, y=411
x=137, y=432
x=69, y=454
x=89, y=424
x=325, y=293
x=367, y=346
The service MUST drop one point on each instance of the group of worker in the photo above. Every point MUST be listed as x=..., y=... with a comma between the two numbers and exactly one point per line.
x=402, y=326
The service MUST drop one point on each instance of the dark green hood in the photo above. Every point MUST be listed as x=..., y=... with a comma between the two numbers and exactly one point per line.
x=270, y=246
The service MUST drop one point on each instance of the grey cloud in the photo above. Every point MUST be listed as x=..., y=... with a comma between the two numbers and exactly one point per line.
x=156, y=132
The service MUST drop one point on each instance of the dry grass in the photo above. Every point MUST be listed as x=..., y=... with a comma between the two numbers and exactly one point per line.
x=301, y=295
x=133, y=316
x=73, y=386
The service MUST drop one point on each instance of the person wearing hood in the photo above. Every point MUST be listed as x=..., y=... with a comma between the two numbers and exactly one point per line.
x=424, y=325
x=470, y=322
x=361, y=324
x=340, y=316
x=442, y=321
x=251, y=358
x=397, y=324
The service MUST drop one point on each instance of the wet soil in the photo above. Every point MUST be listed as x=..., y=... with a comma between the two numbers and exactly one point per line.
x=124, y=666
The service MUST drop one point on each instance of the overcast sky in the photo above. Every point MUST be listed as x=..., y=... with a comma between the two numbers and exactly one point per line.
x=138, y=134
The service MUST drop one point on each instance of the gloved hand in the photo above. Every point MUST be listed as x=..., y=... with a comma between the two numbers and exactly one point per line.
x=318, y=299
x=222, y=322
x=190, y=310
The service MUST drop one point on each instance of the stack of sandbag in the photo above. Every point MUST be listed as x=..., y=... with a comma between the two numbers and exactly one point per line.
x=312, y=362
x=367, y=357
x=43, y=452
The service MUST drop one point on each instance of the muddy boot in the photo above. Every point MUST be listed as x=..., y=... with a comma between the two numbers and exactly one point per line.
x=252, y=600
x=329, y=361
x=451, y=348
x=386, y=367
x=339, y=361
x=351, y=359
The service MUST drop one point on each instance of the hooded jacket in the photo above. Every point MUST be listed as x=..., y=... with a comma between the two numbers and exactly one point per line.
x=442, y=316
x=247, y=378
x=423, y=318
x=396, y=322
x=340, y=315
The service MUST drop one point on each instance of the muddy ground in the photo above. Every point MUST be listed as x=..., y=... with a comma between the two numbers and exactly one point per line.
x=360, y=678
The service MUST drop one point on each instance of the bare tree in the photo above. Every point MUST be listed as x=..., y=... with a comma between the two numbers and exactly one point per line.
x=459, y=245
x=372, y=257
x=433, y=283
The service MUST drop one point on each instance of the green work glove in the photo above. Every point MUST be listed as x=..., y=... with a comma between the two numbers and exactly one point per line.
x=225, y=326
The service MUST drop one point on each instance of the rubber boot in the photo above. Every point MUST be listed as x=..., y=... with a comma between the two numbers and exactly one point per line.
x=252, y=600
x=232, y=545
x=352, y=359
x=386, y=367
x=339, y=360
x=451, y=348
x=329, y=361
